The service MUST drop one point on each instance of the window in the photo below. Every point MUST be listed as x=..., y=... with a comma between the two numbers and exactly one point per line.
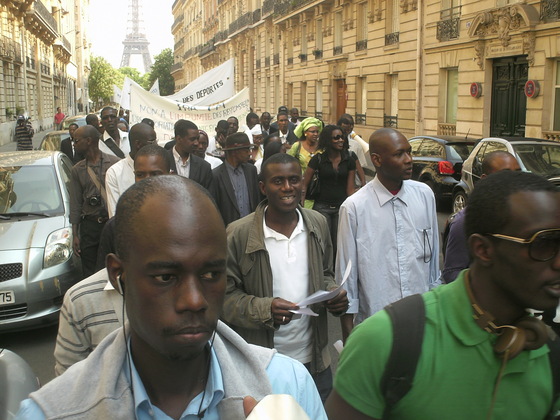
x=303, y=109
x=452, y=96
x=361, y=100
x=391, y=101
x=337, y=33
x=318, y=97
x=431, y=148
x=556, y=116
x=319, y=35
x=362, y=27
x=303, y=55
x=392, y=21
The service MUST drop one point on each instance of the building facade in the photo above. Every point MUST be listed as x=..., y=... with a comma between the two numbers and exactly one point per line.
x=470, y=67
x=44, y=59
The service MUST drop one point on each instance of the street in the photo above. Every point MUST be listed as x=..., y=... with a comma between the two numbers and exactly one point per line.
x=37, y=346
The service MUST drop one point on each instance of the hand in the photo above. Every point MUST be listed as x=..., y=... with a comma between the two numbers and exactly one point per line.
x=280, y=309
x=248, y=404
x=339, y=304
x=76, y=245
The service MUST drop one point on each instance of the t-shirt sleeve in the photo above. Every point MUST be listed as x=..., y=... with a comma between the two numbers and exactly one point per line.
x=314, y=162
x=362, y=364
x=352, y=163
x=29, y=410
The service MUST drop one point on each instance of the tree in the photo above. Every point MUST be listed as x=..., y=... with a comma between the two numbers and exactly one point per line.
x=101, y=79
x=131, y=73
x=161, y=70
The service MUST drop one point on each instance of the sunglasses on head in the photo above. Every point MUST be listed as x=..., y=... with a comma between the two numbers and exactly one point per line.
x=543, y=245
x=338, y=137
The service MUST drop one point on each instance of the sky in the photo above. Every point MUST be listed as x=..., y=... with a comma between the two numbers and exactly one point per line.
x=108, y=27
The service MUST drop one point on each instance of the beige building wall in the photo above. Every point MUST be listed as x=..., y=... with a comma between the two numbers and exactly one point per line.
x=400, y=63
x=39, y=68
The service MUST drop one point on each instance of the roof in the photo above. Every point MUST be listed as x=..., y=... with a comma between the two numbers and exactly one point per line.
x=35, y=157
x=448, y=139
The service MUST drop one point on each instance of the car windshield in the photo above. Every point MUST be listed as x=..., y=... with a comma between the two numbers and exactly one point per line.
x=81, y=121
x=460, y=151
x=29, y=189
x=541, y=159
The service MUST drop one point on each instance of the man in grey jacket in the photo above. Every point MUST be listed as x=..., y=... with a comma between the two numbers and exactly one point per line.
x=173, y=358
x=277, y=256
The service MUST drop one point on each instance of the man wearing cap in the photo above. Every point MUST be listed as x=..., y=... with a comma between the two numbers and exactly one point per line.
x=24, y=134
x=235, y=185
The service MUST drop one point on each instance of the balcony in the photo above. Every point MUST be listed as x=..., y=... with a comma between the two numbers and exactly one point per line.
x=290, y=61
x=550, y=10
x=319, y=115
x=318, y=53
x=176, y=67
x=63, y=49
x=283, y=7
x=10, y=49
x=337, y=50
x=551, y=135
x=30, y=63
x=207, y=49
x=41, y=22
x=179, y=44
x=449, y=24
x=361, y=45
x=179, y=20
x=392, y=39
x=303, y=57
x=257, y=15
x=390, y=121
x=361, y=119
x=268, y=7
x=447, y=129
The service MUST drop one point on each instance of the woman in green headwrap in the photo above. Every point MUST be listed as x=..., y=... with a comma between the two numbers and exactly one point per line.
x=308, y=132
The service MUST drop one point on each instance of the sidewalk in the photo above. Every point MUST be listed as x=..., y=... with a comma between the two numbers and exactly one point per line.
x=37, y=138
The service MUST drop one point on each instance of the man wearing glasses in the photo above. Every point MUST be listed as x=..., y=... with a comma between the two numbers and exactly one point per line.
x=388, y=230
x=114, y=141
x=483, y=356
x=120, y=176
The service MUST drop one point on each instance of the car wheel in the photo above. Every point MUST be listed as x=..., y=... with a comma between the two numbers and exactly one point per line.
x=459, y=201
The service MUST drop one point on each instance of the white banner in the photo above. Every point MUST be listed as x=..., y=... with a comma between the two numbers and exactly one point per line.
x=155, y=88
x=165, y=112
x=125, y=97
x=117, y=94
x=214, y=86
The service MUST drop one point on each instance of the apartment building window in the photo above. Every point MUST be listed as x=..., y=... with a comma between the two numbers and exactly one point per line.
x=337, y=33
x=450, y=19
x=392, y=28
x=452, y=96
x=392, y=101
x=303, y=109
x=319, y=99
x=318, y=51
x=290, y=47
x=361, y=100
x=362, y=27
x=550, y=10
x=277, y=97
x=303, y=54
x=556, y=117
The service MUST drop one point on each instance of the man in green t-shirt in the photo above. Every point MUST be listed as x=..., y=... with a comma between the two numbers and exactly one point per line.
x=513, y=225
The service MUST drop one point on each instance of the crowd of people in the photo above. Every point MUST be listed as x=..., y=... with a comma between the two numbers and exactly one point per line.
x=198, y=258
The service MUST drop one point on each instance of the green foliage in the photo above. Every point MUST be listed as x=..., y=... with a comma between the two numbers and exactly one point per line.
x=161, y=70
x=131, y=73
x=102, y=77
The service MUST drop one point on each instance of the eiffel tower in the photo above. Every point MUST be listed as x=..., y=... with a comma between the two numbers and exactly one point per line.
x=135, y=41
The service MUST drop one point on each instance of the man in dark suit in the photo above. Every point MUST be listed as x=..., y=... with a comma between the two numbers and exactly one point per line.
x=285, y=129
x=67, y=146
x=183, y=161
x=235, y=186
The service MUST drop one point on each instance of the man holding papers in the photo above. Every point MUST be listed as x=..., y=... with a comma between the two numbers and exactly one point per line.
x=278, y=256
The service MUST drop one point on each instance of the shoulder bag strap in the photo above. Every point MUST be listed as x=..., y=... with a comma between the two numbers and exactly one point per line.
x=96, y=182
x=110, y=143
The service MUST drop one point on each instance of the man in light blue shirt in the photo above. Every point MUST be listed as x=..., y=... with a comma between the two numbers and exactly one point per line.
x=389, y=231
x=173, y=359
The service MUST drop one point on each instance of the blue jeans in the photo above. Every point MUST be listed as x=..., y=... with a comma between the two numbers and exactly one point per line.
x=331, y=213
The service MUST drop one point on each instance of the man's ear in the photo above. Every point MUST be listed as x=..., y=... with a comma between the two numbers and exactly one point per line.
x=261, y=188
x=481, y=248
x=115, y=270
x=375, y=159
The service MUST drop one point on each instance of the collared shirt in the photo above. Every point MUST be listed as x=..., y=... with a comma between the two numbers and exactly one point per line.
x=392, y=241
x=123, y=143
x=183, y=168
x=82, y=188
x=237, y=177
x=290, y=273
x=118, y=179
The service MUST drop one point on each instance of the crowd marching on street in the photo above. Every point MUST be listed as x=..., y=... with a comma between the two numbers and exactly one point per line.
x=198, y=258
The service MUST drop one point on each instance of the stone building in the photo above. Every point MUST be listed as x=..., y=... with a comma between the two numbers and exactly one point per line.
x=44, y=61
x=476, y=67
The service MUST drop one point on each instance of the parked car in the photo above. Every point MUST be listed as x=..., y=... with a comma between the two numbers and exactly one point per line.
x=78, y=119
x=37, y=262
x=52, y=140
x=437, y=161
x=538, y=156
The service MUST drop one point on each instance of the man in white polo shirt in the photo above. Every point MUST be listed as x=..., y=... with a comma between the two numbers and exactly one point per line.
x=282, y=250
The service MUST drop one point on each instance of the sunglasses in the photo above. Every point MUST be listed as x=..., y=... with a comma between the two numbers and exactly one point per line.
x=338, y=137
x=543, y=245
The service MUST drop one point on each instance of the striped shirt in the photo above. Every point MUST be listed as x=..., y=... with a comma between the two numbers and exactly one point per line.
x=92, y=309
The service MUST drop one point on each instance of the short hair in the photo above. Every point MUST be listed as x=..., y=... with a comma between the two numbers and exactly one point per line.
x=344, y=120
x=155, y=150
x=282, y=113
x=265, y=113
x=172, y=187
x=148, y=121
x=325, y=138
x=108, y=108
x=488, y=209
x=182, y=126
x=222, y=125
x=73, y=124
x=234, y=117
x=251, y=115
x=90, y=131
x=267, y=139
x=271, y=149
x=91, y=119
x=277, y=158
x=491, y=157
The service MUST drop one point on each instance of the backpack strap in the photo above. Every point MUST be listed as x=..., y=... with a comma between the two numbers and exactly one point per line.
x=408, y=319
x=554, y=358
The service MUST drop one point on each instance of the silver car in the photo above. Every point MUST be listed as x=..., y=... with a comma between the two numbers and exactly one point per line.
x=37, y=263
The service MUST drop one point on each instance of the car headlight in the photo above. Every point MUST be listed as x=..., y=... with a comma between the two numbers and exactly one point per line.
x=58, y=248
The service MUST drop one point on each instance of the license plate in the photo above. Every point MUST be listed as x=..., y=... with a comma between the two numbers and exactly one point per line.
x=7, y=297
